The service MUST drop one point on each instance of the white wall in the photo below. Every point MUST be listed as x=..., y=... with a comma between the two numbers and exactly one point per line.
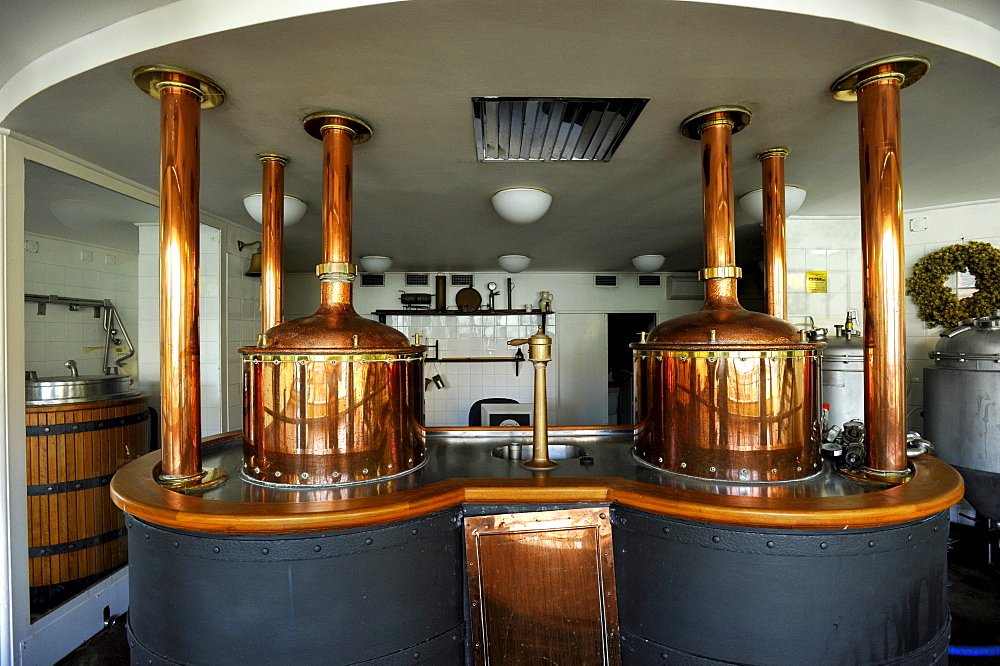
x=243, y=323
x=577, y=376
x=210, y=324
x=834, y=245
x=75, y=270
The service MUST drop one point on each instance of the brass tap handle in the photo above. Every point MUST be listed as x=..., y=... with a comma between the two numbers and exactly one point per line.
x=642, y=336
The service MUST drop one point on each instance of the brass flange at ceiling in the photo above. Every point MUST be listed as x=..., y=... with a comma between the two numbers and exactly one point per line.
x=737, y=117
x=150, y=78
x=315, y=124
x=907, y=68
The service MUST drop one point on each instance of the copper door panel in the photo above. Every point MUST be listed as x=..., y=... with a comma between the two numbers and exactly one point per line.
x=541, y=588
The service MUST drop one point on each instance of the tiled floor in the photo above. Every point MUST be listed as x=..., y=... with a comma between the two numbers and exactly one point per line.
x=974, y=595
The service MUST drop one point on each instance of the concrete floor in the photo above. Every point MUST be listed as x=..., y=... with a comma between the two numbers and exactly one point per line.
x=974, y=597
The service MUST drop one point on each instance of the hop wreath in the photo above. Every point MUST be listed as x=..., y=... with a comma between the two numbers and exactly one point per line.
x=937, y=304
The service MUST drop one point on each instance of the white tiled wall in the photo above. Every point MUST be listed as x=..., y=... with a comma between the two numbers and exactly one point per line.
x=826, y=243
x=243, y=319
x=210, y=326
x=75, y=270
x=479, y=335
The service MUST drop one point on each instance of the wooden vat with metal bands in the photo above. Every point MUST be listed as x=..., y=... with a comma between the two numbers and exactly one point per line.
x=76, y=535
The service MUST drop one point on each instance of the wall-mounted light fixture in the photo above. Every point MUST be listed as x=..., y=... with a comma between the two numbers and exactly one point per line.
x=752, y=202
x=375, y=263
x=522, y=205
x=294, y=208
x=254, y=270
x=648, y=263
x=514, y=263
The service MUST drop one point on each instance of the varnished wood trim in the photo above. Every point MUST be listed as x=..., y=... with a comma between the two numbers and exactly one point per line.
x=934, y=488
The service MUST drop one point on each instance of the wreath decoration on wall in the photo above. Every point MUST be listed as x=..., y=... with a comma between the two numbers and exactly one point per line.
x=938, y=304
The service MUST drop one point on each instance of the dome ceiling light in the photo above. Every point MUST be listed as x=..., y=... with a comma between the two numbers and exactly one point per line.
x=752, y=202
x=294, y=208
x=522, y=205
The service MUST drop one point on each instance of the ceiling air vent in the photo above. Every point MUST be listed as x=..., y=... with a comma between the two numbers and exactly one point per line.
x=372, y=279
x=540, y=129
x=417, y=280
x=605, y=280
x=649, y=280
x=461, y=279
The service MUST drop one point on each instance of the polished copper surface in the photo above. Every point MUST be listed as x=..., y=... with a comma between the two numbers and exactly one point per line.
x=332, y=398
x=271, y=285
x=733, y=416
x=724, y=393
x=312, y=420
x=180, y=368
x=772, y=163
x=542, y=588
x=882, y=252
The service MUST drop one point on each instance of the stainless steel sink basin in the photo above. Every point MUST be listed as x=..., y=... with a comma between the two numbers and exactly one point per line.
x=556, y=451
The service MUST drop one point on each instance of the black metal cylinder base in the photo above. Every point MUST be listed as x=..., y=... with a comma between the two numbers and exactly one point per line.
x=383, y=595
x=699, y=593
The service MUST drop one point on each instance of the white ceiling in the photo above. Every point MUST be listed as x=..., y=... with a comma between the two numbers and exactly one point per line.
x=410, y=68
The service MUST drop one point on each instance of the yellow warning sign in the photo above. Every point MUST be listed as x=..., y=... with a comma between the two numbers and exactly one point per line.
x=815, y=282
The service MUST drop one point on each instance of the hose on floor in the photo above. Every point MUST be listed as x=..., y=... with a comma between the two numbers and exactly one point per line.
x=974, y=650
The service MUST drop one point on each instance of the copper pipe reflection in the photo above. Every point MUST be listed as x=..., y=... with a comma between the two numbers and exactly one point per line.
x=338, y=153
x=772, y=163
x=882, y=249
x=272, y=298
x=717, y=188
x=180, y=371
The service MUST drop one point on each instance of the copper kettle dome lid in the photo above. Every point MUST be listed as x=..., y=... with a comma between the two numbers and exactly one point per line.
x=723, y=326
x=334, y=329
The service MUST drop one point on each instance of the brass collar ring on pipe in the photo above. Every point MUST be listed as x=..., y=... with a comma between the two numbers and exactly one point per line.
x=736, y=117
x=151, y=80
x=336, y=271
x=272, y=157
x=908, y=69
x=318, y=123
x=772, y=152
x=713, y=272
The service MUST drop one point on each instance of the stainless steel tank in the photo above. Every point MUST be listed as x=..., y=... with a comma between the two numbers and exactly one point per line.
x=843, y=388
x=962, y=408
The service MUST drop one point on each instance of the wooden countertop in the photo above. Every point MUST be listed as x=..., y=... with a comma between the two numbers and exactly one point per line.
x=935, y=487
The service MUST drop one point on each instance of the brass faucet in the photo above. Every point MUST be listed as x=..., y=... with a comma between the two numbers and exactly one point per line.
x=539, y=353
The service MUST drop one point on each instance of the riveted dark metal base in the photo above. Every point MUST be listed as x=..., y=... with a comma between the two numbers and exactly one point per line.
x=706, y=594
x=379, y=595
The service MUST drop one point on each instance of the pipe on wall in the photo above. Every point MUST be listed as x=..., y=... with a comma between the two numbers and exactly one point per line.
x=875, y=86
x=273, y=221
x=182, y=95
x=772, y=162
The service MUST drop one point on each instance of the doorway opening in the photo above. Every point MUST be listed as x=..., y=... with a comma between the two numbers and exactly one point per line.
x=623, y=329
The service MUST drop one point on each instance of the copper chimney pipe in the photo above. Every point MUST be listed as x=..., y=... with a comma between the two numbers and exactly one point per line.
x=273, y=222
x=182, y=94
x=875, y=86
x=715, y=128
x=772, y=163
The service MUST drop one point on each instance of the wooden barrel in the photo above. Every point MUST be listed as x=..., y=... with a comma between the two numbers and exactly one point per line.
x=76, y=535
